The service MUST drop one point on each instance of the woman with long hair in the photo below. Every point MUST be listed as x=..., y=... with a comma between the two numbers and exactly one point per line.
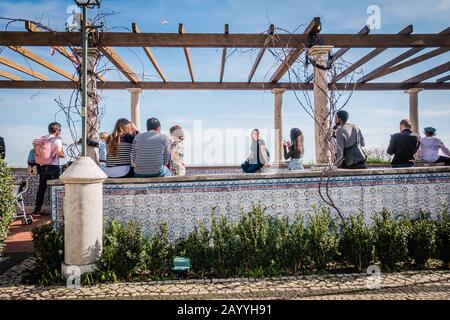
x=118, y=149
x=294, y=150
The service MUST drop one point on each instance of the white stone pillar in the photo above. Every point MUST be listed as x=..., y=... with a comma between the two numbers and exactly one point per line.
x=135, y=106
x=321, y=105
x=414, y=108
x=278, y=124
x=83, y=216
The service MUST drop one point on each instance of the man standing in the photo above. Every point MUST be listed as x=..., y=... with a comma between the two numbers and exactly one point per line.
x=47, y=151
x=150, y=152
x=349, y=143
x=2, y=148
x=403, y=146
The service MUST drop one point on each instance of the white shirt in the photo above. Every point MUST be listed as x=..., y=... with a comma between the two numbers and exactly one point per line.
x=429, y=149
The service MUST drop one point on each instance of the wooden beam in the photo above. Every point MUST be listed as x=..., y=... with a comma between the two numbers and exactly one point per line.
x=385, y=68
x=312, y=29
x=260, y=55
x=150, y=55
x=32, y=27
x=430, y=73
x=118, y=62
x=30, y=55
x=188, y=85
x=23, y=69
x=443, y=79
x=9, y=75
x=224, y=55
x=187, y=53
x=372, y=54
x=212, y=40
x=340, y=52
x=416, y=60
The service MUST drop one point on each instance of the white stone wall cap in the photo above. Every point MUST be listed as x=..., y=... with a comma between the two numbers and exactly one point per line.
x=83, y=170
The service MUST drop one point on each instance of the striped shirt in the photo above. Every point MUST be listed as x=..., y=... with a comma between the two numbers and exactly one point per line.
x=123, y=156
x=150, y=151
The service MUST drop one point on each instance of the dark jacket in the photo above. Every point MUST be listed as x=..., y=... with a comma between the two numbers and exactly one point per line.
x=403, y=146
x=2, y=148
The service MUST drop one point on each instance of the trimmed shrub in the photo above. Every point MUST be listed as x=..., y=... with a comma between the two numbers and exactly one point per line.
x=253, y=232
x=443, y=238
x=48, y=243
x=356, y=242
x=123, y=248
x=297, y=244
x=226, y=255
x=197, y=248
x=158, y=253
x=422, y=240
x=7, y=202
x=391, y=240
x=321, y=239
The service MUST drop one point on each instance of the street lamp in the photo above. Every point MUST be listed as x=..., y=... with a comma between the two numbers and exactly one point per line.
x=85, y=4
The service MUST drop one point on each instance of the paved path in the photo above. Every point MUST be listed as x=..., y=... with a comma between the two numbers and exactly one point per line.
x=20, y=238
x=409, y=285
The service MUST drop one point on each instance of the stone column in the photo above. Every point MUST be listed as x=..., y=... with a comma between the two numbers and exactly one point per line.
x=278, y=124
x=92, y=104
x=414, y=108
x=321, y=105
x=83, y=216
x=135, y=106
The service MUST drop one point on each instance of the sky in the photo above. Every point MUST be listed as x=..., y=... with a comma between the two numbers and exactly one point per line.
x=222, y=115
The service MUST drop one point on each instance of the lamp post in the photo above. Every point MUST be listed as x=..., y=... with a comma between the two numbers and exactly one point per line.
x=84, y=4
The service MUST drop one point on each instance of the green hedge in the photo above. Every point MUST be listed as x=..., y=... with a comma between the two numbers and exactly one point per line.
x=261, y=246
x=7, y=203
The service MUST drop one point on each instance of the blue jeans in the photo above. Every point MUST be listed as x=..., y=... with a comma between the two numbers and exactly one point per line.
x=163, y=172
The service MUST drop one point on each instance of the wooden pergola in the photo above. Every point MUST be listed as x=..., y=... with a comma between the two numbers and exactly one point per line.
x=311, y=40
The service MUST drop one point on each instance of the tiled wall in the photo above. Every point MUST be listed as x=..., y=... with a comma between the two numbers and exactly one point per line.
x=183, y=204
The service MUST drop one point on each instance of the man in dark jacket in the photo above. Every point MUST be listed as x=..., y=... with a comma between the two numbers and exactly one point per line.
x=403, y=146
x=2, y=148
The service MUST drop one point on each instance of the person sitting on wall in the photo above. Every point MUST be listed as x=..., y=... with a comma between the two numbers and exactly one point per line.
x=118, y=147
x=430, y=146
x=102, y=147
x=349, y=143
x=258, y=156
x=151, y=152
x=47, y=152
x=403, y=146
x=176, y=163
x=296, y=150
x=2, y=148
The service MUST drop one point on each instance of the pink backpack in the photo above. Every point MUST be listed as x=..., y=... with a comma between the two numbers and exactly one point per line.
x=43, y=150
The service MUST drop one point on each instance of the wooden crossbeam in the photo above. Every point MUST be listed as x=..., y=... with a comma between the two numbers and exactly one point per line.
x=187, y=53
x=30, y=55
x=23, y=69
x=32, y=27
x=313, y=28
x=416, y=60
x=372, y=54
x=430, y=73
x=385, y=68
x=9, y=75
x=219, y=40
x=119, y=63
x=188, y=85
x=224, y=55
x=150, y=55
x=443, y=79
x=340, y=52
x=260, y=55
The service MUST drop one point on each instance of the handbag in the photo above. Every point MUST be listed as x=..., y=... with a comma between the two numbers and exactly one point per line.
x=354, y=154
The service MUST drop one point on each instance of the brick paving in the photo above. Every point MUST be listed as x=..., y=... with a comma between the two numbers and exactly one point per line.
x=411, y=285
x=20, y=238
